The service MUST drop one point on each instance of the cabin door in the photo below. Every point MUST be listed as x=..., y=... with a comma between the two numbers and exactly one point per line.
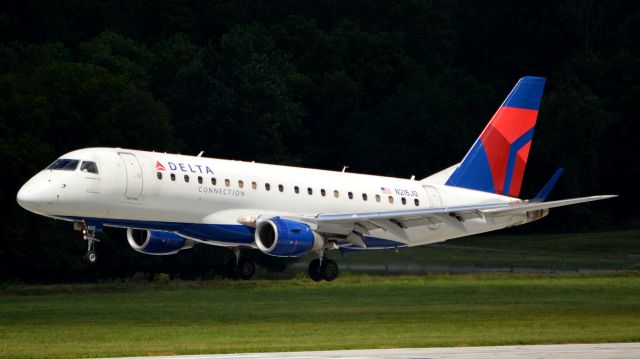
x=134, y=176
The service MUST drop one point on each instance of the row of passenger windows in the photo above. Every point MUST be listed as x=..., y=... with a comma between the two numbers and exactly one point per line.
x=296, y=189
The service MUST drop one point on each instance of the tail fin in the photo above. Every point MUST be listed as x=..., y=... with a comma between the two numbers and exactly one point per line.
x=496, y=161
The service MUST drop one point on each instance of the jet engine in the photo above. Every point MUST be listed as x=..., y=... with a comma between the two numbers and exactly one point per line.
x=157, y=242
x=286, y=238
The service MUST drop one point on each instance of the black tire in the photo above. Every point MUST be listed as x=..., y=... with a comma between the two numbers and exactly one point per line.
x=314, y=270
x=91, y=257
x=245, y=269
x=232, y=270
x=329, y=270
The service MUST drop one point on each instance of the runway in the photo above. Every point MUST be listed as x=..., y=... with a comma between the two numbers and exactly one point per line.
x=561, y=351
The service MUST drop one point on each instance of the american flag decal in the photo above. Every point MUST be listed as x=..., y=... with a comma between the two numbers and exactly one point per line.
x=385, y=190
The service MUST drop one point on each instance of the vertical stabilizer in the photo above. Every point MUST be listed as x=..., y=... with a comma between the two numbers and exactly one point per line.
x=496, y=161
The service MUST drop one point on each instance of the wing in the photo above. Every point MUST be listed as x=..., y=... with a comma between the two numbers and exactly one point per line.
x=396, y=222
x=458, y=210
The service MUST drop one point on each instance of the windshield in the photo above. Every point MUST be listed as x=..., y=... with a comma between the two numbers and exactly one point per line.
x=64, y=164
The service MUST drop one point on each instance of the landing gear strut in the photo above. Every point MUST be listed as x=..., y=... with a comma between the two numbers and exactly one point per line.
x=89, y=235
x=240, y=268
x=323, y=269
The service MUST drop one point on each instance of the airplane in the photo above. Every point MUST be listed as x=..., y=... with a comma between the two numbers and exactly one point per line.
x=170, y=202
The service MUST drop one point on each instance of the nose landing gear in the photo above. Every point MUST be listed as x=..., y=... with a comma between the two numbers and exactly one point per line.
x=89, y=235
x=90, y=257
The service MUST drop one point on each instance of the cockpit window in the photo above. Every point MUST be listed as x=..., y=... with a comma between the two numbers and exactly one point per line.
x=64, y=164
x=89, y=166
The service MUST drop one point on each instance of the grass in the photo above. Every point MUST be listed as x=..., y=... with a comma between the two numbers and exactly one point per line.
x=118, y=319
x=609, y=250
x=613, y=244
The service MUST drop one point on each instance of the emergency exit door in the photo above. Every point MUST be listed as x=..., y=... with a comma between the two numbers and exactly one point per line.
x=134, y=176
x=434, y=196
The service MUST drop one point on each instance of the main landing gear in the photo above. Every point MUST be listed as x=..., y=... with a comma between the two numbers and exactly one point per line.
x=323, y=269
x=240, y=268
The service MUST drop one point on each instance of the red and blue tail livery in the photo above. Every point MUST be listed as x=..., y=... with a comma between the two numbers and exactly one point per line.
x=496, y=161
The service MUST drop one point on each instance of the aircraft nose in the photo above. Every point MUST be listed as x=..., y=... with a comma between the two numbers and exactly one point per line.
x=27, y=196
x=31, y=197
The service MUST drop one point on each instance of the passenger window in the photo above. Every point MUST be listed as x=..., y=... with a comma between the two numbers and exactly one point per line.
x=377, y=198
x=336, y=194
x=390, y=199
x=186, y=178
x=200, y=179
x=173, y=176
x=254, y=185
x=159, y=174
x=309, y=190
x=350, y=194
x=323, y=192
x=213, y=181
x=267, y=187
x=403, y=200
x=241, y=184
x=280, y=188
x=364, y=196
x=89, y=166
x=227, y=182
x=416, y=202
x=296, y=189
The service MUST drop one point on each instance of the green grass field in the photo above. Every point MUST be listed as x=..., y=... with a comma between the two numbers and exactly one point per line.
x=608, y=250
x=116, y=319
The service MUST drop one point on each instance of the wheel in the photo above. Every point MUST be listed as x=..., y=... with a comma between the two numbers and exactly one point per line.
x=232, y=269
x=90, y=257
x=329, y=270
x=314, y=270
x=245, y=269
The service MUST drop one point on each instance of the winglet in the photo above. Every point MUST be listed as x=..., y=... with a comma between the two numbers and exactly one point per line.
x=544, y=192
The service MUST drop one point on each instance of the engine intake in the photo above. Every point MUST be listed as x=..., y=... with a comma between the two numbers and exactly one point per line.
x=286, y=238
x=157, y=242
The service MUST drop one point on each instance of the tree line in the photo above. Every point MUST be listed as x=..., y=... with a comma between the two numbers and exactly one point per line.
x=395, y=88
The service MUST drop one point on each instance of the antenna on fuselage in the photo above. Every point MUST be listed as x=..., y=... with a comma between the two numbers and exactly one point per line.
x=200, y=154
x=413, y=177
x=344, y=169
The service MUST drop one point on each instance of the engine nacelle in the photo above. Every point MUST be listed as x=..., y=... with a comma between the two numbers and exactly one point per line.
x=156, y=242
x=286, y=238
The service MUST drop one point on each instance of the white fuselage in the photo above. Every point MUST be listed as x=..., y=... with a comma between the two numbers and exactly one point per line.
x=203, y=198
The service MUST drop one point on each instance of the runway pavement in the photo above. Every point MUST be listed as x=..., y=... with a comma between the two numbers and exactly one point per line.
x=562, y=351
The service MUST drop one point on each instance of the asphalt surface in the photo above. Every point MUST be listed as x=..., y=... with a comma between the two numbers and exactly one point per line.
x=562, y=351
